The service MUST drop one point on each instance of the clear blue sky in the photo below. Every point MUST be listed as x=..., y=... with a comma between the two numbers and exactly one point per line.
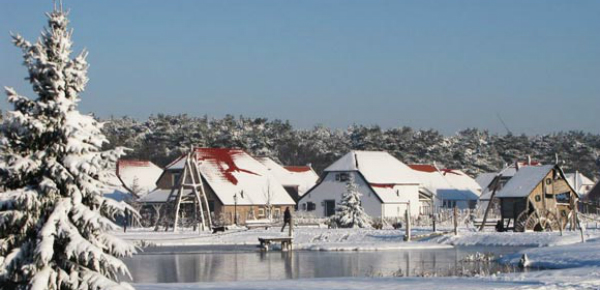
x=445, y=65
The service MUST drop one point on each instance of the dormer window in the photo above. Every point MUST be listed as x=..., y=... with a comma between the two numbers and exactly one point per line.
x=342, y=177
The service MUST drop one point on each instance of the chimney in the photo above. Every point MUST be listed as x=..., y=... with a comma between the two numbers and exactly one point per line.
x=529, y=160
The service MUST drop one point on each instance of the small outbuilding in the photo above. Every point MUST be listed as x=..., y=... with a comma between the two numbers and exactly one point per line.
x=536, y=198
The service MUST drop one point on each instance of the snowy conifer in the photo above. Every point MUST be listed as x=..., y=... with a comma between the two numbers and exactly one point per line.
x=350, y=213
x=54, y=221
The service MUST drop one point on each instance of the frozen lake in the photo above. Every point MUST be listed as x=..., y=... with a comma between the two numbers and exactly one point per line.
x=243, y=263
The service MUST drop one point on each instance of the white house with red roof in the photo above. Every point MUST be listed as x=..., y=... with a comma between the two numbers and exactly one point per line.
x=234, y=182
x=297, y=180
x=387, y=185
x=448, y=187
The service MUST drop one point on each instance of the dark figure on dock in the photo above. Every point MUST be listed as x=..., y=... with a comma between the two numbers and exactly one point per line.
x=287, y=218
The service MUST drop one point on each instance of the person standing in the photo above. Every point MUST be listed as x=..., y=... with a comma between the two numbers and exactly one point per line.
x=287, y=218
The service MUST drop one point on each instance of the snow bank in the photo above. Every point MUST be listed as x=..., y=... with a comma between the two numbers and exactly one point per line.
x=314, y=239
x=561, y=257
x=532, y=239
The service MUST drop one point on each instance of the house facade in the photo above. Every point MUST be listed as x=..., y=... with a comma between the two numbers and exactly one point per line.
x=388, y=186
x=235, y=184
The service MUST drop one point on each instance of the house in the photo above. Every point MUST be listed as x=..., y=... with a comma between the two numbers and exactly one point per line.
x=581, y=183
x=296, y=180
x=536, y=198
x=449, y=187
x=138, y=176
x=131, y=179
x=387, y=185
x=235, y=183
x=489, y=181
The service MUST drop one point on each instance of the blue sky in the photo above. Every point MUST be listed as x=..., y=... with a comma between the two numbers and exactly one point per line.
x=446, y=65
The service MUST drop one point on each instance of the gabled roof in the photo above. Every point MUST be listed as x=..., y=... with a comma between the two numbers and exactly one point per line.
x=485, y=179
x=378, y=167
x=447, y=184
x=142, y=174
x=506, y=173
x=524, y=181
x=232, y=171
x=302, y=177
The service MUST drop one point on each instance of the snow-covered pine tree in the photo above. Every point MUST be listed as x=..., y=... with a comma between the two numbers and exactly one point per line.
x=350, y=213
x=54, y=221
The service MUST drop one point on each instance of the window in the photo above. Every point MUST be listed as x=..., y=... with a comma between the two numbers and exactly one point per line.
x=548, y=181
x=310, y=206
x=564, y=197
x=342, y=177
x=261, y=213
x=538, y=198
x=449, y=203
x=277, y=212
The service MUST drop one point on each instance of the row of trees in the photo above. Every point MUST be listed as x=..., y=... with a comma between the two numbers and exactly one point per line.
x=163, y=137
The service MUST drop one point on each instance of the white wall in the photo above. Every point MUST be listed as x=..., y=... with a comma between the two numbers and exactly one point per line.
x=329, y=188
x=396, y=200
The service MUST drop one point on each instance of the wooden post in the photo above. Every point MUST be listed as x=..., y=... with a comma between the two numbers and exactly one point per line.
x=576, y=218
x=291, y=226
x=487, y=209
x=455, y=220
x=407, y=236
x=433, y=220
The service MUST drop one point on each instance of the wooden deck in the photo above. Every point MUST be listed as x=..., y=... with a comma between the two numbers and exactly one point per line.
x=286, y=243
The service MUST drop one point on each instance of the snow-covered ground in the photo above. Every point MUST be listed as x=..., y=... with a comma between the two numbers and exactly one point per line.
x=574, y=265
x=317, y=239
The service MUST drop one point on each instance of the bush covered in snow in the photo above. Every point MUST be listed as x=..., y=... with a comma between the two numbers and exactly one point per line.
x=349, y=213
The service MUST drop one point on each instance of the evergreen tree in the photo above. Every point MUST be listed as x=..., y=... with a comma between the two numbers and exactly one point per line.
x=350, y=213
x=54, y=221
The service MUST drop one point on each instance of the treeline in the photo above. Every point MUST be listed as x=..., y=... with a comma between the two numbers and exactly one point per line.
x=161, y=138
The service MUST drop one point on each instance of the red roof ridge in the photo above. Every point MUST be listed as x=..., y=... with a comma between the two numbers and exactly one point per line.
x=298, y=168
x=423, y=167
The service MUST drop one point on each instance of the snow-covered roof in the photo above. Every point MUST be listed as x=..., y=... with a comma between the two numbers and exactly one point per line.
x=506, y=173
x=378, y=167
x=157, y=196
x=485, y=179
x=447, y=184
x=138, y=175
x=582, y=181
x=232, y=171
x=303, y=177
x=114, y=188
x=524, y=181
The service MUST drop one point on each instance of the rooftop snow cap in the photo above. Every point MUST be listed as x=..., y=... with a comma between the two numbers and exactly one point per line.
x=233, y=171
x=524, y=181
x=378, y=167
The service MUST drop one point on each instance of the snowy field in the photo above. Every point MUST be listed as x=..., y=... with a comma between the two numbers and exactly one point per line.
x=571, y=264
